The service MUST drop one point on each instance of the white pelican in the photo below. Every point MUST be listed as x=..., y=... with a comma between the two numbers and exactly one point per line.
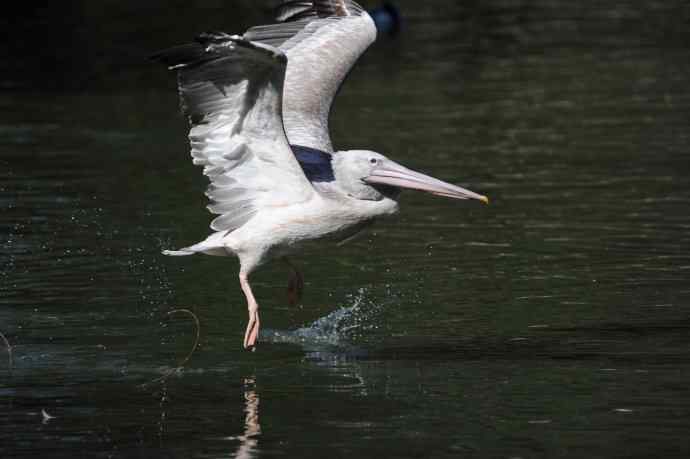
x=258, y=105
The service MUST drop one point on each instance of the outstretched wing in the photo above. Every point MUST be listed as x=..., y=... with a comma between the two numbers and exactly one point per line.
x=322, y=39
x=231, y=91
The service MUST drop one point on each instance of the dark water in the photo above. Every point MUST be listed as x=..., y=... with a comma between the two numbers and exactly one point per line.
x=553, y=323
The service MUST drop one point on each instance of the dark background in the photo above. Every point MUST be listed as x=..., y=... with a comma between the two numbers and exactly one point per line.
x=73, y=46
x=553, y=323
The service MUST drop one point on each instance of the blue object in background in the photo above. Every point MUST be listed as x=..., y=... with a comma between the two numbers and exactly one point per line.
x=387, y=19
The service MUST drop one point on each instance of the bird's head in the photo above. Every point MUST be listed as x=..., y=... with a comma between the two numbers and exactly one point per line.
x=371, y=176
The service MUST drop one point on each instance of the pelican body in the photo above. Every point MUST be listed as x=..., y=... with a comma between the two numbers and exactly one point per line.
x=258, y=106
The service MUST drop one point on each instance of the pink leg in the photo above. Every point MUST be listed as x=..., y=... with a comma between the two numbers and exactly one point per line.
x=252, y=332
x=295, y=284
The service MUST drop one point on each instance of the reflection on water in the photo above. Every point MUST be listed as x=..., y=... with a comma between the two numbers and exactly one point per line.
x=553, y=323
x=252, y=428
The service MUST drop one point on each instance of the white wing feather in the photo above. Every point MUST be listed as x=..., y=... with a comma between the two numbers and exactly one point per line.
x=322, y=43
x=231, y=90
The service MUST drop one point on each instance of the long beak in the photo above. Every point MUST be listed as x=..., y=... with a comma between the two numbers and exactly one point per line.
x=393, y=174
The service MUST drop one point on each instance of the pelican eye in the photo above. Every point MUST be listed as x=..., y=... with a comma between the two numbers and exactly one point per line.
x=373, y=160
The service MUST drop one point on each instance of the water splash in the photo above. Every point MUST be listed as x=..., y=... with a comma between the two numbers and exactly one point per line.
x=337, y=329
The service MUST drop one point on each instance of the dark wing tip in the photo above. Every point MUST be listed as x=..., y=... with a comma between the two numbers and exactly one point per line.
x=205, y=48
x=295, y=10
x=182, y=56
x=214, y=37
x=210, y=46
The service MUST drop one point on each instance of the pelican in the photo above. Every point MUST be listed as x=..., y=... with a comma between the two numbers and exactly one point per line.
x=258, y=106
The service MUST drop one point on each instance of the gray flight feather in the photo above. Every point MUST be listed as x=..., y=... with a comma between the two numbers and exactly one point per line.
x=231, y=91
x=323, y=40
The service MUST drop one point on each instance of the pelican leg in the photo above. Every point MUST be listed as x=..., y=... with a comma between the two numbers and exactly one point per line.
x=252, y=333
x=295, y=284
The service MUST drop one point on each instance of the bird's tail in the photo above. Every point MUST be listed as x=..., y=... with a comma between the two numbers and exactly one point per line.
x=212, y=245
x=178, y=253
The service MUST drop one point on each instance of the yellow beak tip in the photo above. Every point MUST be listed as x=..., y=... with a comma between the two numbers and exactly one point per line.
x=484, y=199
